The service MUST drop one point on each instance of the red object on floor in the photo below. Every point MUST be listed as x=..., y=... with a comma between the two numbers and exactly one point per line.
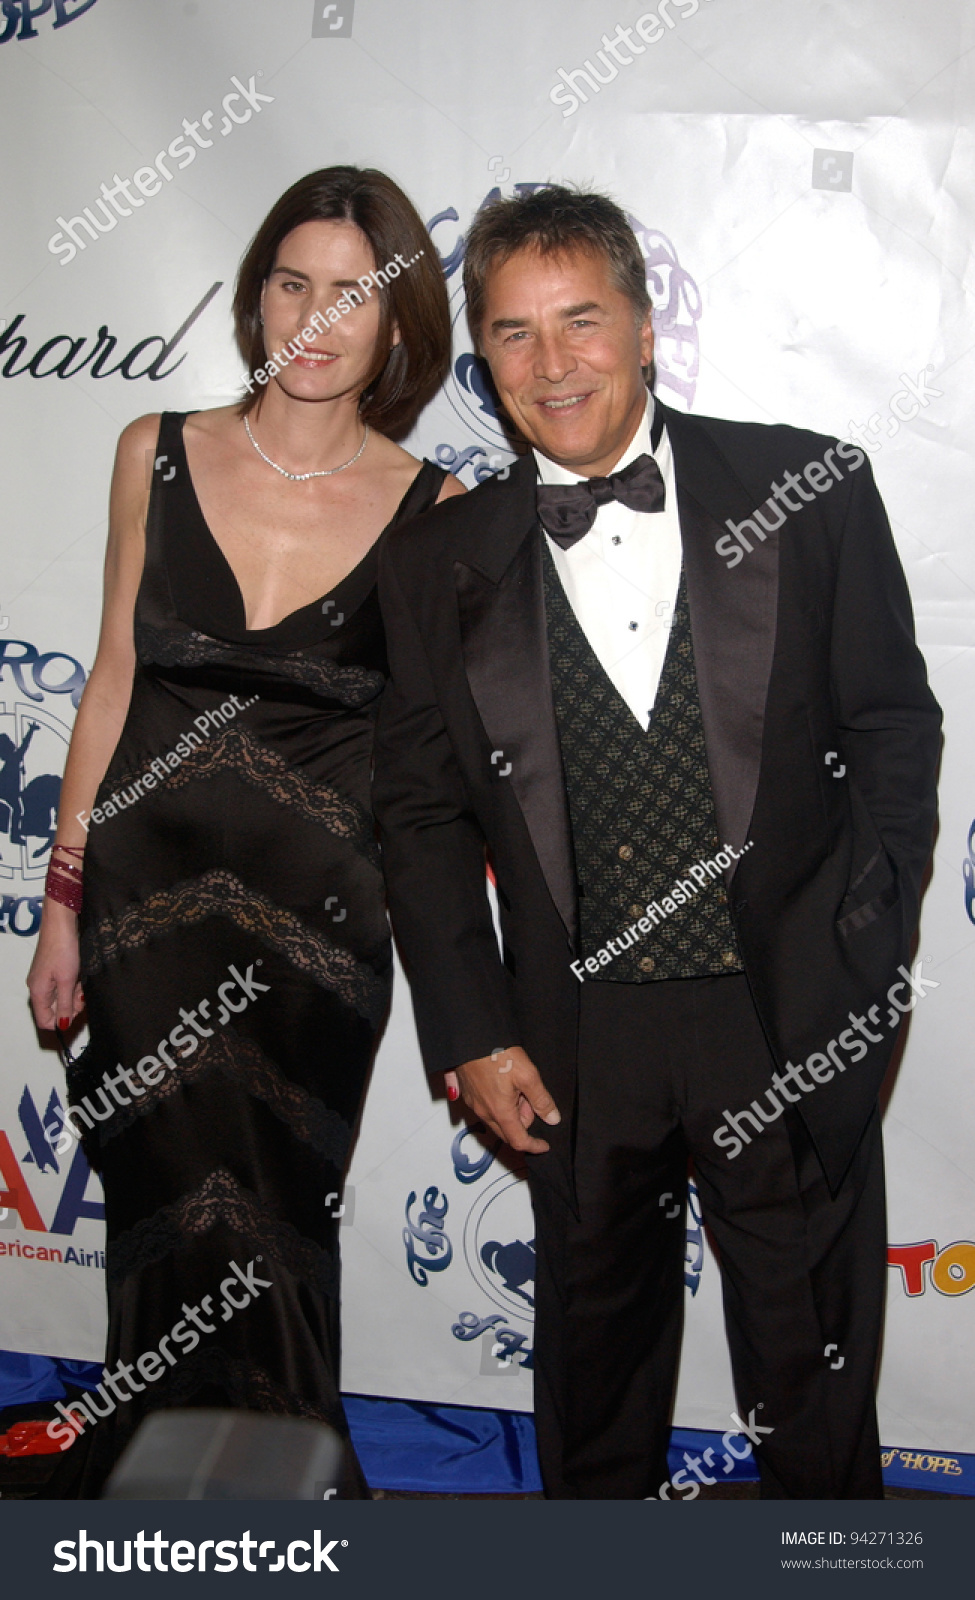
x=28, y=1439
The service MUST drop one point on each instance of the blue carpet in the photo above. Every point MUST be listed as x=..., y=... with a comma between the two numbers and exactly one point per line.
x=420, y=1448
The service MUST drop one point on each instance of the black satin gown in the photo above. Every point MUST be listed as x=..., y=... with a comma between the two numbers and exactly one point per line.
x=236, y=962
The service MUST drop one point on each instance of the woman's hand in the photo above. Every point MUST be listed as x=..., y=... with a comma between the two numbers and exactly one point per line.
x=55, y=993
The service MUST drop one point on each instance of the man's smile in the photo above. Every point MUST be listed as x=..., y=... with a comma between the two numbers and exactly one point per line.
x=563, y=402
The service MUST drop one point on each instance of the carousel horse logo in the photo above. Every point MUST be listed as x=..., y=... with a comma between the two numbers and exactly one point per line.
x=28, y=809
x=513, y=1263
x=500, y=1258
x=32, y=749
x=33, y=745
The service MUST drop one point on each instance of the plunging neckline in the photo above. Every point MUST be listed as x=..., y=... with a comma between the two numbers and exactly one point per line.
x=312, y=606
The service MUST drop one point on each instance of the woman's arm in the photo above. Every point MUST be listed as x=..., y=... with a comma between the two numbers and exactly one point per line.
x=53, y=978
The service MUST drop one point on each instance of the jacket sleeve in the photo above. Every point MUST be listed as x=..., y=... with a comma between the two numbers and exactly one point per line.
x=434, y=859
x=888, y=718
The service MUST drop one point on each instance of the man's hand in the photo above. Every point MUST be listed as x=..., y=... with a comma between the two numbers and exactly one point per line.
x=504, y=1090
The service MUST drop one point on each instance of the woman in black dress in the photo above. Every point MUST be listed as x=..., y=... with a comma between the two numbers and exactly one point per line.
x=215, y=831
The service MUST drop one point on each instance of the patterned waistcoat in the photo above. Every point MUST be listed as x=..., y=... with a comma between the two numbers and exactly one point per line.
x=641, y=809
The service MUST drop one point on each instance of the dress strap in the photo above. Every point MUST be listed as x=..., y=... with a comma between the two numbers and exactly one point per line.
x=421, y=494
x=168, y=464
x=169, y=483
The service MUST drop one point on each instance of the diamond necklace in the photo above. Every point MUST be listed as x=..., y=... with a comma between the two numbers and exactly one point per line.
x=299, y=477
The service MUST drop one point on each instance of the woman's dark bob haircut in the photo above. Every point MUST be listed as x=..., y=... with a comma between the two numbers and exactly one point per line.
x=409, y=374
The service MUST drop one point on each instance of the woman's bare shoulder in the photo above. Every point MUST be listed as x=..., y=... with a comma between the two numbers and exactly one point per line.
x=216, y=421
x=394, y=458
x=139, y=435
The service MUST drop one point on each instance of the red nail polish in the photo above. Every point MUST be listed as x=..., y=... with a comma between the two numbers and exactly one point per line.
x=63, y=1023
x=452, y=1093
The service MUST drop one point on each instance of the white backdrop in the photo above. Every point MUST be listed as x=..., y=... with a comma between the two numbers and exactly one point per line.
x=801, y=176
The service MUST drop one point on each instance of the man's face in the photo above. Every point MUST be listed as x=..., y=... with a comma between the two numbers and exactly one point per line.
x=566, y=350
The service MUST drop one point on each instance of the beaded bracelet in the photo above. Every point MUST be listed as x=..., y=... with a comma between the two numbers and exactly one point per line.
x=64, y=878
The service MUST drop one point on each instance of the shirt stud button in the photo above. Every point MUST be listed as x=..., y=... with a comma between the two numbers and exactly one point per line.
x=625, y=852
x=634, y=626
x=646, y=963
x=617, y=539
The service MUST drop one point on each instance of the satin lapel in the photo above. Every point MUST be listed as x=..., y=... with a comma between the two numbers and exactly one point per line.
x=733, y=619
x=504, y=639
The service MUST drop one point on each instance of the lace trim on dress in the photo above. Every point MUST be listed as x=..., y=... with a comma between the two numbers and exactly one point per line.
x=237, y=750
x=220, y=893
x=248, y=1068
x=178, y=646
x=220, y=1198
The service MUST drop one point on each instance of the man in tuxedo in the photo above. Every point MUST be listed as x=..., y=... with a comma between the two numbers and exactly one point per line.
x=701, y=763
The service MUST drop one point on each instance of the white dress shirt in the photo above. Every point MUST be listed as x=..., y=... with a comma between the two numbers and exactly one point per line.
x=621, y=578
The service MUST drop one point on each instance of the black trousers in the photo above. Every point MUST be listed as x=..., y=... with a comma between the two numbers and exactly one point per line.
x=659, y=1063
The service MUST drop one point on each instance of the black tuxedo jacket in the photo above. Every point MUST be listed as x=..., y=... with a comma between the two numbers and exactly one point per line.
x=804, y=647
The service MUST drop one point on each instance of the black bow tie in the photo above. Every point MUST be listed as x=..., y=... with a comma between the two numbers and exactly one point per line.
x=568, y=511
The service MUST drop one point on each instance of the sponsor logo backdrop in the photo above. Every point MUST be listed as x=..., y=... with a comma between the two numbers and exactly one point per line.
x=795, y=175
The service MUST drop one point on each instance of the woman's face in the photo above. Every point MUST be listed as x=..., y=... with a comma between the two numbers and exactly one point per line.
x=316, y=264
